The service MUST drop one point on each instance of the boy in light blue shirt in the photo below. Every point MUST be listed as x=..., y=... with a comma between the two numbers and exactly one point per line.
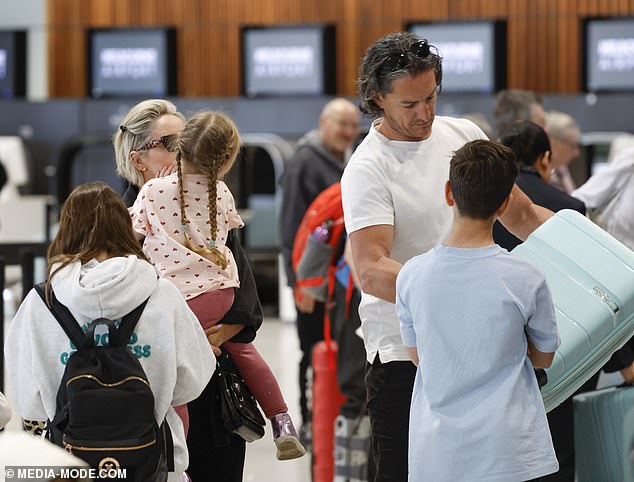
x=479, y=320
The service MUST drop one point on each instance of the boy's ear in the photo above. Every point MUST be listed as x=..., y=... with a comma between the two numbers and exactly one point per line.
x=451, y=202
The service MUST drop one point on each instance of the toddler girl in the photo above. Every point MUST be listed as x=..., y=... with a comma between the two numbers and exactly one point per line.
x=185, y=218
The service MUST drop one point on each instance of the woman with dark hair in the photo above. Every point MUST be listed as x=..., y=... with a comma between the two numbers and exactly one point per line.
x=97, y=270
x=531, y=146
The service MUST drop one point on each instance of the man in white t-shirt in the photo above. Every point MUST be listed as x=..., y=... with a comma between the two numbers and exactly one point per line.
x=392, y=192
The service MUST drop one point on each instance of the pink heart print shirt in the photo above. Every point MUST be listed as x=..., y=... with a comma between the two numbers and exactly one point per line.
x=156, y=215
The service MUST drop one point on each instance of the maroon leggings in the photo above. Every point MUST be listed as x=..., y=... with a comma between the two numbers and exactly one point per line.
x=210, y=308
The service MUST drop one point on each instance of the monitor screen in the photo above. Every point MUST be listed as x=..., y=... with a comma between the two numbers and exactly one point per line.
x=473, y=54
x=12, y=64
x=609, y=54
x=132, y=62
x=281, y=61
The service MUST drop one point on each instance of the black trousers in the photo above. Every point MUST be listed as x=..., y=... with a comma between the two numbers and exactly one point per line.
x=389, y=386
x=214, y=454
x=310, y=330
x=561, y=424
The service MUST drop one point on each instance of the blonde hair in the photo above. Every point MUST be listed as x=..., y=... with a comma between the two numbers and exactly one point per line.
x=210, y=142
x=135, y=130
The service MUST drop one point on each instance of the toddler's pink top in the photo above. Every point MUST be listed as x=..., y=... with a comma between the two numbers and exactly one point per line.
x=156, y=215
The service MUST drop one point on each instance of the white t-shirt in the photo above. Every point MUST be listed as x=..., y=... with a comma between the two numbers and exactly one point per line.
x=402, y=184
x=476, y=412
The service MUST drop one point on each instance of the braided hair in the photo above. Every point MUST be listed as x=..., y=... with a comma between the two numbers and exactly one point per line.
x=210, y=143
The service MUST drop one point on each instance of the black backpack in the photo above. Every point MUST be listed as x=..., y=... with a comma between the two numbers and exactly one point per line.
x=105, y=407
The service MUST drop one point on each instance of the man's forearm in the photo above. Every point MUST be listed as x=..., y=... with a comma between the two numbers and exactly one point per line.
x=523, y=216
x=379, y=279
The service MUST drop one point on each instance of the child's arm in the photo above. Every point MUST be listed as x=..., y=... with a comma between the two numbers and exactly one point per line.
x=541, y=328
x=413, y=354
x=408, y=334
x=540, y=359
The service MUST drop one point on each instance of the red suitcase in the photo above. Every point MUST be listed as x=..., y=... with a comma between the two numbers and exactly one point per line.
x=327, y=400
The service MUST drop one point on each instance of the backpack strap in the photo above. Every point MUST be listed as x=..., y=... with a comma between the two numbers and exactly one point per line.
x=127, y=325
x=75, y=332
x=64, y=317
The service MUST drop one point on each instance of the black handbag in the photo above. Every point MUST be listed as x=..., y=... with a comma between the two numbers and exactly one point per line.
x=239, y=410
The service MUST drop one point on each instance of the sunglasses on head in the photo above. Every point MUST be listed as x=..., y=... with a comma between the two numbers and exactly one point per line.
x=398, y=61
x=169, y=142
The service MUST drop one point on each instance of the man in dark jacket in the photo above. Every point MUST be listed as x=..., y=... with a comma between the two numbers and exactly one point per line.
x=318, y=162
x=531, y=146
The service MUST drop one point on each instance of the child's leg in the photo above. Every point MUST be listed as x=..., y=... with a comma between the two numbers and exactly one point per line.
x=258, y=377
x=182, y=412
x=209, y=308
x=262, y=383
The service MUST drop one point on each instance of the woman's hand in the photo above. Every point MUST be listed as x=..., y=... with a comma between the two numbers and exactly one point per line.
x=218, y=334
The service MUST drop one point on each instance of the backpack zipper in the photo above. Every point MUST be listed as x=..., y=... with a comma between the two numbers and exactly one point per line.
x=92, y=377
x=70, y=447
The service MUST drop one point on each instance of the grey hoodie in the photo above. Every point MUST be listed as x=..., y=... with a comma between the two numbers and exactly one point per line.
x=168, y=339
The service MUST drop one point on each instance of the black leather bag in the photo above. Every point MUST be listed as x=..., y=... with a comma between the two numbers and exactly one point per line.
x=238, y=408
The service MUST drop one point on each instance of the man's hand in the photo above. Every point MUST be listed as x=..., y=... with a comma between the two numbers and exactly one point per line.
x=304, y=301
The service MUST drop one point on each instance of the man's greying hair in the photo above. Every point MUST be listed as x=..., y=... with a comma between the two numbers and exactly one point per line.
x=512, y=105
x=559, y=124
x=372, y=81
x=481, y=174
x=134, y=131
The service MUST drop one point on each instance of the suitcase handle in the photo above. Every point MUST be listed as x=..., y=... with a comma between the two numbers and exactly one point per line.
x=542, y=377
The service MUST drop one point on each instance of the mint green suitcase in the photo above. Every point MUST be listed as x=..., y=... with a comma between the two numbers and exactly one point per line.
x=591, y=276
x=604, y=435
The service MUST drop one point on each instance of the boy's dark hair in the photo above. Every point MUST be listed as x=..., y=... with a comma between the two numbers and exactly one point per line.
x=528, y=141
x=482, y=174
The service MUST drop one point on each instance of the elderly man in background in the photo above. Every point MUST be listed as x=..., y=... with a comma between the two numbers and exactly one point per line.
x=565, y=138
x=512, y=105
x=318, y=163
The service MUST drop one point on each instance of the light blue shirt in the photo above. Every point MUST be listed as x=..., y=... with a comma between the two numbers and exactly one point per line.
x=476, y=412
